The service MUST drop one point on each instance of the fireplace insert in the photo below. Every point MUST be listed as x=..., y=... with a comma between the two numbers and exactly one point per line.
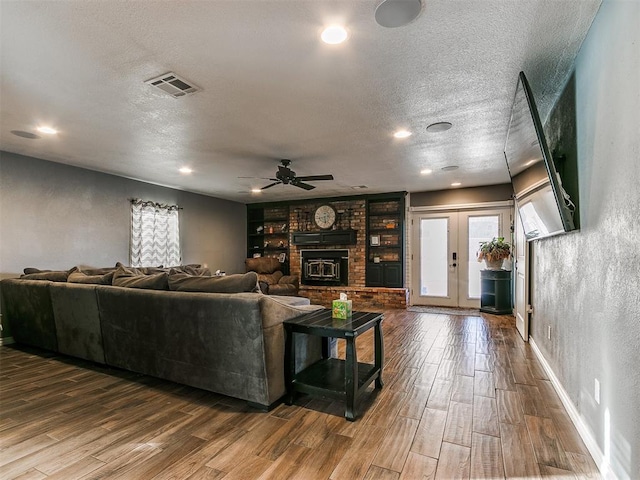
x=325, y=267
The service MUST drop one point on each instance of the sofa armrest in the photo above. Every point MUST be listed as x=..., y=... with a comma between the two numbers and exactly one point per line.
x=289, y=280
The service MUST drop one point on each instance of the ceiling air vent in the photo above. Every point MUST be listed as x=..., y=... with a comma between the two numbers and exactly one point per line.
x=173, y=85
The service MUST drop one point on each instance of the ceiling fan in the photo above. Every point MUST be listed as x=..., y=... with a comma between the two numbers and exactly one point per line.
x=287, y=176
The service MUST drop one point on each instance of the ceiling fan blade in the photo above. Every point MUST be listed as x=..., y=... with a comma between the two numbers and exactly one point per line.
x=299, y=184
x=271, y=185
x=263, y=178
x=314, y=178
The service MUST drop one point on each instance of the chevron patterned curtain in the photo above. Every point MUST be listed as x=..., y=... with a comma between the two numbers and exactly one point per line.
x=155, y=234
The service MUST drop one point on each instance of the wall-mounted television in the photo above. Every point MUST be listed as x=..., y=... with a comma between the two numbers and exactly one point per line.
x=543, y=206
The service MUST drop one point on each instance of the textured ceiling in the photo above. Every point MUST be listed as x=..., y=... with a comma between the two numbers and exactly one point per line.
x=272, y=90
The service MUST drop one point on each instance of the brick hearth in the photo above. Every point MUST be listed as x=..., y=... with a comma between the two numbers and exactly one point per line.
x=364, y=298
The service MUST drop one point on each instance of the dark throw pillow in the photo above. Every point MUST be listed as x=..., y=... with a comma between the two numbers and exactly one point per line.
x=51, y=275
x=97, y=279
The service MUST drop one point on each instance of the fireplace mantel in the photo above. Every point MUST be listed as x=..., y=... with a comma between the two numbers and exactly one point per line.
x=330, y=237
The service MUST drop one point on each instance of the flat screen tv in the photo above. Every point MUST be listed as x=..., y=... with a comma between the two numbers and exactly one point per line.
x=543, y=206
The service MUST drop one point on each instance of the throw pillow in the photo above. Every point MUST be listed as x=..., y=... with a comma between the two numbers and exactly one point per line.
x=134, y=278
x=190, y=270
x=237, y=283
x=82, y=277
x=51, y=275
x=262, y=264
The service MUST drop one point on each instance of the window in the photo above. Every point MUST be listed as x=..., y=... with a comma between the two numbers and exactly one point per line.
x=155, y=234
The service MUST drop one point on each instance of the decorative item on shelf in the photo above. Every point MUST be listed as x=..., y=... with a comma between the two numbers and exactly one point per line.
x=283, y=228
x=282, y=257
x=375, y=240
x=257, y=255
x=494, y=253
x=390, y=224
x=376, y=259
x=259, y=229
x=281, y=243
x=219, y=273
x=266, y=244
x=271, y=229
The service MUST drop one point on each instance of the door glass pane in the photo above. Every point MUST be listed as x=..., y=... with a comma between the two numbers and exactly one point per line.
x=481, y=229
x=434, y=271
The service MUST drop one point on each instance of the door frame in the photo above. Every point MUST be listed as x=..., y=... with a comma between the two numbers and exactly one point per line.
x=506, y=206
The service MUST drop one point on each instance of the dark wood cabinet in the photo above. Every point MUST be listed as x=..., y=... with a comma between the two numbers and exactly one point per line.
x=495, y=291
x=385, y=241
x=387, y=274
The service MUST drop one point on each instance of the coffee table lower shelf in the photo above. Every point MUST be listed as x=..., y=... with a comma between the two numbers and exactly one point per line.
x=327, y=378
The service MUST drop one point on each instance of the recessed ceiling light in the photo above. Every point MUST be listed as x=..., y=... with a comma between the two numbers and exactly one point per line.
x=334, y=35
x=185, y=170
x=439, y=127
x=47, y=130
x=256, y=190
x=426, y=171
x=450, y=168
x=23, y=134
x=402, y=134
x=456, y=184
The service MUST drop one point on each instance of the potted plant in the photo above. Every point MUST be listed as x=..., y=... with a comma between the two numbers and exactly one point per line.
x=494, y=253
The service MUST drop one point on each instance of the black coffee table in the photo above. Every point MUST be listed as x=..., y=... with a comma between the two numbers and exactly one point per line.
x=331, y=377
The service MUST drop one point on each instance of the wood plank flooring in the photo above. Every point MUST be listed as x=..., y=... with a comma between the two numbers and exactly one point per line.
x=464, y=397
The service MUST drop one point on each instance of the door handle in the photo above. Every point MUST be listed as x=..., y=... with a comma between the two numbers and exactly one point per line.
x=453, y=265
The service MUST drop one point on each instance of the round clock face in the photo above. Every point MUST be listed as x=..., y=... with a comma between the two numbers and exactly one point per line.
x=325, y=216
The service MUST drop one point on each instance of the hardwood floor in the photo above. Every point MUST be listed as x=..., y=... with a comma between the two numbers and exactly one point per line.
x=464, y=397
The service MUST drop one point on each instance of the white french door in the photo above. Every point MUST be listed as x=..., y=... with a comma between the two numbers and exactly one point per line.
x=444, y=268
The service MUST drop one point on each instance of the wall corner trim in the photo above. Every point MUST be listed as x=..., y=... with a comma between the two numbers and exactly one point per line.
x=583, y=429
x=6, y=341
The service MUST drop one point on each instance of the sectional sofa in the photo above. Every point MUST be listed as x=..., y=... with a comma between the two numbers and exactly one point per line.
x=228, y=343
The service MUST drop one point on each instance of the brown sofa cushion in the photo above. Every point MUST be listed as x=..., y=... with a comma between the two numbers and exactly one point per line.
x=247, y=282
x=82, y=277
x=264, y=265
x=135, y=278
x=51, y=275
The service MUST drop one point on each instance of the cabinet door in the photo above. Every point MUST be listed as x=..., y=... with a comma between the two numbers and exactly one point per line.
x=392, y=277
x=375, y=276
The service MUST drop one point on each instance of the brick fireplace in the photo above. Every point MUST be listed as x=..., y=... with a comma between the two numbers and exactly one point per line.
x=351, y=215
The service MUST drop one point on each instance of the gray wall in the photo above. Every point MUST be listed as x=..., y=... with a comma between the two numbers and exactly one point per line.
x=56, y=216
x=586, y=284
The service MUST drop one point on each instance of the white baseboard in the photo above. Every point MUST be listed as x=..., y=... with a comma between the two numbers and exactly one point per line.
x=6, y=341
x=583, y=429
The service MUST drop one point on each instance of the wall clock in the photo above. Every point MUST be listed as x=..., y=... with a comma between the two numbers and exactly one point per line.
x=325, y=216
